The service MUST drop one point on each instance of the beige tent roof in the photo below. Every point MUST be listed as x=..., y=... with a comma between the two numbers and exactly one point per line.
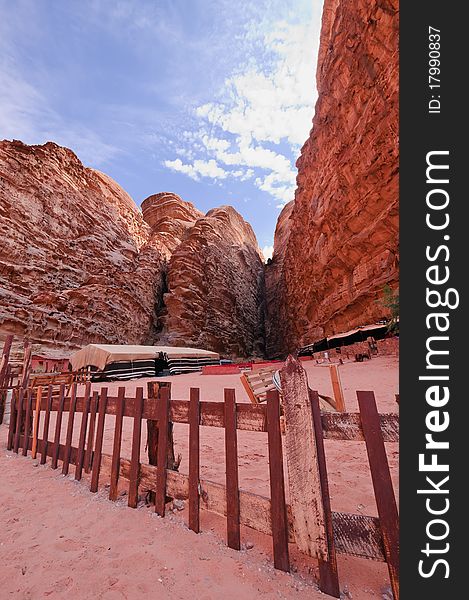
x=100, y=355
x=356, y=330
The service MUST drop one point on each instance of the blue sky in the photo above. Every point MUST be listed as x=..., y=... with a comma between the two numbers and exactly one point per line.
x=210, y=99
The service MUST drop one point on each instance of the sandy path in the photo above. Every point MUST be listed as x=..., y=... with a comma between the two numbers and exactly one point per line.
x=109, y=551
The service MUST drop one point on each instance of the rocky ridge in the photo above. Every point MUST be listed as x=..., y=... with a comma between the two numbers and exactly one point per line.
x=340, y=246
x=80, y=263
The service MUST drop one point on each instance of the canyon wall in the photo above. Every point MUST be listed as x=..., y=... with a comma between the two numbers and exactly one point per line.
x=72, y=269
x=338, y=246
x=80, y=263
x=216, y=287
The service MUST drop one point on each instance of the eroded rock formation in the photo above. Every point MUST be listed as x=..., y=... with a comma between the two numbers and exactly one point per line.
x=75, y=264
x=342, y=233
x=216, y=287
x=79, y=262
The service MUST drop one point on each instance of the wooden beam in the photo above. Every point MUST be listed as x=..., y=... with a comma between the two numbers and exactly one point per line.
x=82, y=438
x=302, y=462
x=70, y=424
x=27, y=420
x=91, y=430
x=163, y=425
x=328, y=574
x=116, y=450
x=98, y=447
x=26, y=365
x=347, y=426
x=194, y=460
x=58, y=427
x=337, y=388
x=248, y=389
x=232, y=480
x=37, y=416
x=279, y=523
x=45, y=431
x=382, y=485
x=19, y=419
x=13, y=417
x=136, y=441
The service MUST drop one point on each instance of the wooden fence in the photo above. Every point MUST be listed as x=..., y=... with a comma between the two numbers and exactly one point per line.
x=307, y=520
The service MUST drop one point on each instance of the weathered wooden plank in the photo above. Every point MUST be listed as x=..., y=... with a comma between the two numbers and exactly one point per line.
x=355, y=535
x=194, y=460
x=336, y=426
x=248, y=389
x=26, y=365
x=82, y=437
x=337, y=388
x=328, y=574
x=70, y=424
x=27, y=420
x=232, y=480
x=19, y=419
x=163, y=426
x=358, y=535
x=347, y=426
x=382, y=485
x=91, y=427
x=13, y=415
x=302, y=462
x=37, y=416
x=250, y=417
x=51, y=449
x=116, y=450
x=4, y=376
x=135, y=459
x=98, y=448
x=279, y=521
x=58, y=427
x=45, y=431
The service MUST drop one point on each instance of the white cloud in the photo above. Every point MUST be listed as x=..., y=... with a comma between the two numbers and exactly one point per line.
x=263, y=113
x=199, y=168
x=268, y=252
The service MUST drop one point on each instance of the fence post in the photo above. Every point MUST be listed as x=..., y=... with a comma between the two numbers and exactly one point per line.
x=337, y=388
x=328, y=574
x=4, y=373
x=153, y=388
x=382, y=484
x=302, y=462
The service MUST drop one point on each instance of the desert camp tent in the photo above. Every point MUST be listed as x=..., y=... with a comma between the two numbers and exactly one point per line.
x=358, y=334
x=108, y=361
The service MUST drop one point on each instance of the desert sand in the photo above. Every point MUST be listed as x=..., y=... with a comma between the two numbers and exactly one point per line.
x=59, y=540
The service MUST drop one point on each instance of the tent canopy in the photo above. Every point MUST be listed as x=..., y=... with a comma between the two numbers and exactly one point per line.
x=100, y=355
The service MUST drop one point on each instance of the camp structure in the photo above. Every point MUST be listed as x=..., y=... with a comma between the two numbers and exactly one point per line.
x=358, y=334
x=105, y=361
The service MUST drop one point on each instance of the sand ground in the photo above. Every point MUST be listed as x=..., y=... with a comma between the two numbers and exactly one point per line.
x=58, y=540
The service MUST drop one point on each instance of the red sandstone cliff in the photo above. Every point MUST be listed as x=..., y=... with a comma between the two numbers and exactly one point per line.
x=216, y=287
x=342, y=234
x=80, y=263
x=71, y=265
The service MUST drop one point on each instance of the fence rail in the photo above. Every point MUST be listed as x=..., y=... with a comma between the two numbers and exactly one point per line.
x=307, y=521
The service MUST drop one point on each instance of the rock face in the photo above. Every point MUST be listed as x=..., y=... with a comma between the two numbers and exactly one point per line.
x=80, y=263
x=75, y=262
x=341, y=246
x=216, y=287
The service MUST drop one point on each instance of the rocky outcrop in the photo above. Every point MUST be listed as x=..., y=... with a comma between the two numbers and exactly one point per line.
x=75, y=264
x=342, y=243
x=216, y=287
x=80, y=263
